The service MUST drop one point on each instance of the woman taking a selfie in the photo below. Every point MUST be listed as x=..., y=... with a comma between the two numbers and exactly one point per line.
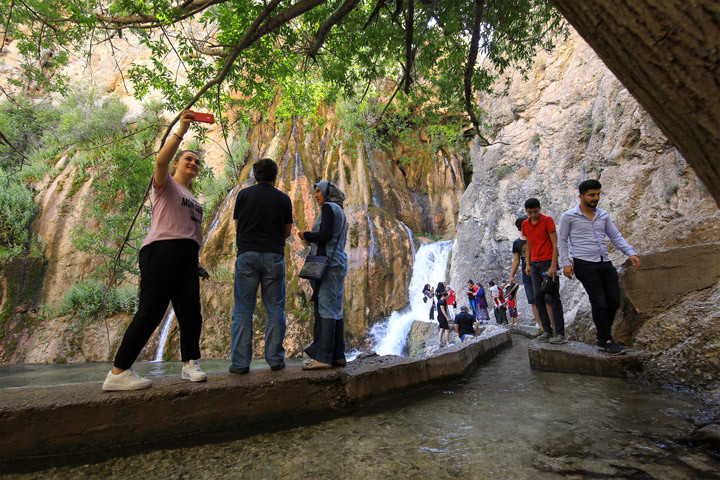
x=168, y=266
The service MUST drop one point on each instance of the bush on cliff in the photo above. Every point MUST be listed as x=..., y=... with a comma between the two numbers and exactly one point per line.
x=90, y=298
x=17, y=210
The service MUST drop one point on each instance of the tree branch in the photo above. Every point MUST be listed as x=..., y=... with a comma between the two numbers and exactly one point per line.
x=7, y=25
x=151, y=21
x=322, y=32
x=409, y=51
x=470, y=68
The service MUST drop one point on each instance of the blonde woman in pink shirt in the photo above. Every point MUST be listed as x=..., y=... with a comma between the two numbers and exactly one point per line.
x=168, y=266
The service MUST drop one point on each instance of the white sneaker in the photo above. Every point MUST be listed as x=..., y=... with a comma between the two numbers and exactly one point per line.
x=127, y=380
x=192, y=372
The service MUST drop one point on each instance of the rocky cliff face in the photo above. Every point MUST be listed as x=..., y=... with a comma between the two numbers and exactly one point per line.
x=571, y=120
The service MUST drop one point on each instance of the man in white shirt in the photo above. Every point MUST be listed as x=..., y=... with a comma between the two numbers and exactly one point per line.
x=583, y=229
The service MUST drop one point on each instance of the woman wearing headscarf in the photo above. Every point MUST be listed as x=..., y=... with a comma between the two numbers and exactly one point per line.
x=481, y=314
x=328, y=239
x=429, y=294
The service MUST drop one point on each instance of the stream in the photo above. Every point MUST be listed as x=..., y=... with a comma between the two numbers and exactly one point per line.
x=505, y=421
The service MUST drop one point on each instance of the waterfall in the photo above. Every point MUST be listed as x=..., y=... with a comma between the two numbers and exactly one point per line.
x=411, y=238
x=220, y=211
x=390, y=336
x=371, y=231
x=167, y=321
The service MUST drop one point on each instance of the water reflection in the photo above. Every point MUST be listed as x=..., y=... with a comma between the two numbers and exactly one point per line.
x=504, y=422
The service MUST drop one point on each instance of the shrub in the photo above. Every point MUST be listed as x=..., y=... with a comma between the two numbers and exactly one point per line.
x=89, y=298
x=535, y=139
x=84, y=116
x=670, y=190
x=591, y=128
x=17, y=210
x=502, y=172
x=23, y=121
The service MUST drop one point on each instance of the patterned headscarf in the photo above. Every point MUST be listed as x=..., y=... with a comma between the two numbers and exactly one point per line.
x=331, y=192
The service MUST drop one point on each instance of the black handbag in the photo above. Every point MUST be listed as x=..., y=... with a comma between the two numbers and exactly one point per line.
x=315, y=265
x=548, y=285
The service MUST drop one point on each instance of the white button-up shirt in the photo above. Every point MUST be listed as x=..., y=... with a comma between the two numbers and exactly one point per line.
x=586, y=238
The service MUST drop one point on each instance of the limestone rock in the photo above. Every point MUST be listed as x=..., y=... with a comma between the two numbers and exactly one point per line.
x=572, y=120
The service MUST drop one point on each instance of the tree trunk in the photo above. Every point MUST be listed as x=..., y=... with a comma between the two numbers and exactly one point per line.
x=667, y=54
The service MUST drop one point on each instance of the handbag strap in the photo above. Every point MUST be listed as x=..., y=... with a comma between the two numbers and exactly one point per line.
x=341, y=234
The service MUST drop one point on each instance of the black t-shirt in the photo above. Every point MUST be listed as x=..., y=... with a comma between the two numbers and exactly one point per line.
x=520, y=246
x=440, y=310
x=464, y=322
x=262, y=211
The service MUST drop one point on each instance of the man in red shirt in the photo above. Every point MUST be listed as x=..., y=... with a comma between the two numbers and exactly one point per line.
x=542, y=259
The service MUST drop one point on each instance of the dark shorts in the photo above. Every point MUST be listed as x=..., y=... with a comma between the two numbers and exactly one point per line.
x=512, y=312
x=530, y=293
x=442, y=321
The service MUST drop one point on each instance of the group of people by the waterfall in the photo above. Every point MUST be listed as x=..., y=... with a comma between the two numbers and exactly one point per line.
x=580, y=249
x=263, y=216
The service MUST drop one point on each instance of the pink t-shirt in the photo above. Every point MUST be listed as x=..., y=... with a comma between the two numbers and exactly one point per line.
x=176, y=214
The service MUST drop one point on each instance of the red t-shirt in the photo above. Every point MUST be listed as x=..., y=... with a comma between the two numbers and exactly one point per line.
x=538, y=236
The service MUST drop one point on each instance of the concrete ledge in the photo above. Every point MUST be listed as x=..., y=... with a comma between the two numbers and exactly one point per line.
x=70, y=421
x=527, y=331
x=576, y=357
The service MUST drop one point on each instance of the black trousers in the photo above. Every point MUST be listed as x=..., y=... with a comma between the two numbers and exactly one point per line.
x=536, y=270
x=602, y=285
x=168, y=273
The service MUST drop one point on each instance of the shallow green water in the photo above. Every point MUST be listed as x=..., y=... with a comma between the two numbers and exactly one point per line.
x=506, y=422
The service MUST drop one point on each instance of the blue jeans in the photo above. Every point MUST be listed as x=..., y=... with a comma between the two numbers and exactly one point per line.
x=473, y=306
x=536, y=271
x=253, y=269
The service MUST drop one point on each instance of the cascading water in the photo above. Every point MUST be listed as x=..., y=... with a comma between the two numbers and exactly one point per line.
x=220, y=212
x=411, y=238
x=389, y=337
x=167, y=321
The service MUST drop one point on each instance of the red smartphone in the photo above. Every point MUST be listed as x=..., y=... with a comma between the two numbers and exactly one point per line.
x=202, y=117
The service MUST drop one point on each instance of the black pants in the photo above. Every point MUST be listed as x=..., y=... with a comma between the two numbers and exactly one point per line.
x=536, y=270
x=602, y=285
x=168, y=272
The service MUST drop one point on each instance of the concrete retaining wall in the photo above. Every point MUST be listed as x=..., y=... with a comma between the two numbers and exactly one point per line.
x=67, y=422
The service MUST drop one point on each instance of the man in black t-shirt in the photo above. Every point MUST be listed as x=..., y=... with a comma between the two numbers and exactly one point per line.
x=263, y=218
x=465, y=324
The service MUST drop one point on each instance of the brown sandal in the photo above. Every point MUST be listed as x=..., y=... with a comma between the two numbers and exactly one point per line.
x=313, y=365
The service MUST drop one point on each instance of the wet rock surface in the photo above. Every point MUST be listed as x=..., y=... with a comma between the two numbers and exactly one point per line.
x=576, y=357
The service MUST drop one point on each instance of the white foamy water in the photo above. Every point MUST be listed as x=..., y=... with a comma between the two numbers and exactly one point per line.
x=167, y=321
x=390, y=336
